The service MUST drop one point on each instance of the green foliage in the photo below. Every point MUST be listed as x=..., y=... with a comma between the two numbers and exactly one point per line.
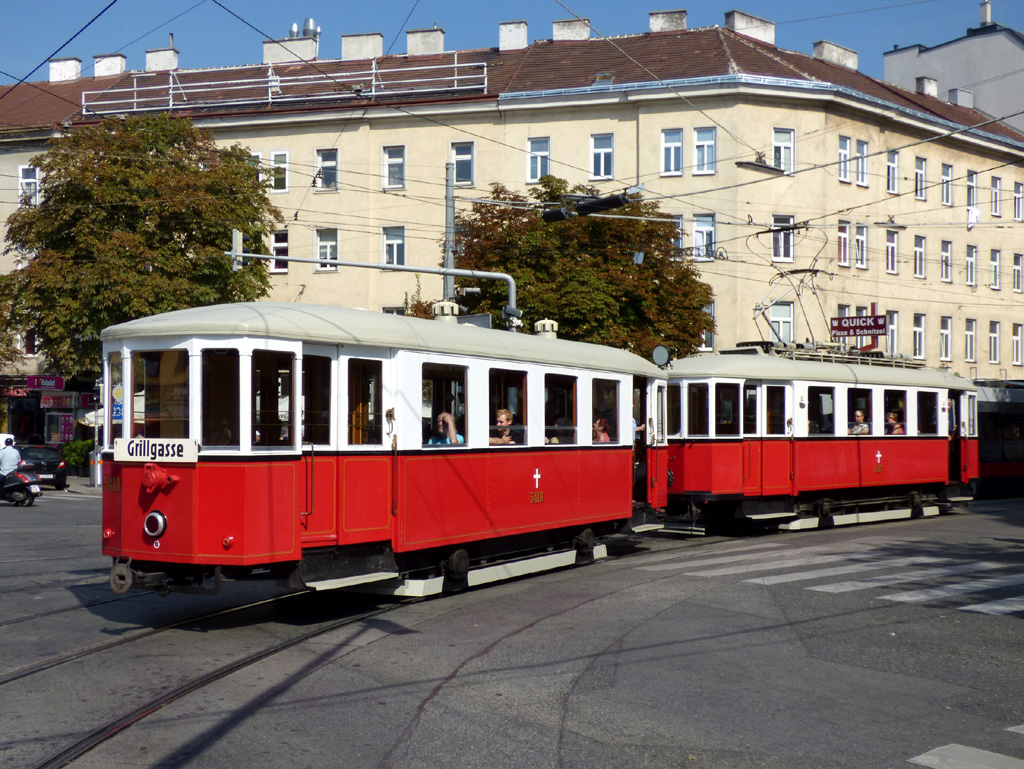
x=583, y=273
x=134, y=219
x=76, y=453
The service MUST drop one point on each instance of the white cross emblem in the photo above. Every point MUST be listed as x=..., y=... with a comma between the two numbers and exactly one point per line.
x=878, y=458
x=536, y=478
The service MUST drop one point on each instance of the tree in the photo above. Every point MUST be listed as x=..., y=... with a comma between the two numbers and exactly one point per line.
x=611, y=281
x=134, y=218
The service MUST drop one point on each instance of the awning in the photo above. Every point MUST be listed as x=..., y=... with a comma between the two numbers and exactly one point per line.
x=91, y=418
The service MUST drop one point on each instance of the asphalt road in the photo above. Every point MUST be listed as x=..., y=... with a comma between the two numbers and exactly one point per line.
x=873, y=647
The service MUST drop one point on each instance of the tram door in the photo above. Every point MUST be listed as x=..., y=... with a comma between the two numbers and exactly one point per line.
x=650, y=449
x=961, y=411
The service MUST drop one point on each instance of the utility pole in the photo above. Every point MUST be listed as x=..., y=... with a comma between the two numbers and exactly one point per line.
x=449, y=230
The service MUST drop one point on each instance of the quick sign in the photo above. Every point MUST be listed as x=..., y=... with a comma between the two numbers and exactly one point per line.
x=45, y=383
x=859, y=325
x=162, y=450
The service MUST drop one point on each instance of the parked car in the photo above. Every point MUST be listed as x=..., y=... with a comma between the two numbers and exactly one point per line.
x=46, y=463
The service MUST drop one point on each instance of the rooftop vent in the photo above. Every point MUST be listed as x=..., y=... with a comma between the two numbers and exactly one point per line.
x=366, y=46
x=571, y=29
x=835, y=54
x=546, y=328
x=986, y=13
x=108, y=64
x=751, y=26
x=421, y=42
x=295, y=47
x=668, y=21
x=958, y=97
x=447, y=312
x=512, y=36
x=927, y=86
x=161, y=59
x=62, y=70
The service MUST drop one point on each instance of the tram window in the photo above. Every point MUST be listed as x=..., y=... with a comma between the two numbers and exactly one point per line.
x=927, y=413
x=316, y=399
x=115, y=398
x=606, y=411
x=821, y=412
x=559, y=408
x=675, y=409
x=749, y=409
x=727, y=409
x=507, y=390
x=160, y=386
x=272, y=398
x=365, y=420
x=895, y=412
x=697, y=408
x=859, y=407
x=221, y=411
x=444, y=392
x=775, y=397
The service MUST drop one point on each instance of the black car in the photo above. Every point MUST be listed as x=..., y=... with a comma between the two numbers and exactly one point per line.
x=46, y=463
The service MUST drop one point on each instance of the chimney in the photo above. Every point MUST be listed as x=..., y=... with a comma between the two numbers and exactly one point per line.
x=108, y=64
x=751, y=26
x=986, y=13
x=958, y=97
x=161, y=59
x=366, y=46
x=512, y=36
x=571, y=29
x=668, y=21
x=421, y=42
x=927, y=86
x=835, y=54
x=62, y=70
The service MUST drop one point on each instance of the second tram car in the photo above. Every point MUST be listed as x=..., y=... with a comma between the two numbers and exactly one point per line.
x=333, y=447
x=1000, y=438
x=807, y=437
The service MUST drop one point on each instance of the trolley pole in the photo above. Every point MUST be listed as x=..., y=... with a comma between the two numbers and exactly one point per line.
x=449, y=230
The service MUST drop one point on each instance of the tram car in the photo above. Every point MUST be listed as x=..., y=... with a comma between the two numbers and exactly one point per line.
x=1000, y=439
x=332, y=447
x=805, y=437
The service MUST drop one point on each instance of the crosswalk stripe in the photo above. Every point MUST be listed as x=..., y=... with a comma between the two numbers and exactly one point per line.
x=800, y=553
x=962, y=757
x=789, y=563
x=975, y=586
x=909, y=576
x=688, y=553
x=1005, y=606
x=852, y=568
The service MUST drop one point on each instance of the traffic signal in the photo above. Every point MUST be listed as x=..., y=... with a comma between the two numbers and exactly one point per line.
x=600, y=205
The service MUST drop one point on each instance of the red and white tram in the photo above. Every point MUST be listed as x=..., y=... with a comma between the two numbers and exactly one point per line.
x=807, y=437
x=304, y=442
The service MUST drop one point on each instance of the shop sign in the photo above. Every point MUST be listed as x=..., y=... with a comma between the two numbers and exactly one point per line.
x=859, y=325
x=88, y=400
x=14, y=392
x=66, y=427
x=45, y=383
x=57, y=400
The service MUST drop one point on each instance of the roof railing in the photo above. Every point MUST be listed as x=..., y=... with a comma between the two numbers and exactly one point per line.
x=826, y=352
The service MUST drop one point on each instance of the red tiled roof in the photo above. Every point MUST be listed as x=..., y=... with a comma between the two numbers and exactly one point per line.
x=44, y=104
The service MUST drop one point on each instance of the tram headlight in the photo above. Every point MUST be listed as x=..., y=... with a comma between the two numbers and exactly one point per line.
x=155, y=524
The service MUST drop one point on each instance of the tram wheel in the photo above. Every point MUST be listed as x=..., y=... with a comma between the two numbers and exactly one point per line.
x=456, y=566
x=121, y=578
x=584, y=541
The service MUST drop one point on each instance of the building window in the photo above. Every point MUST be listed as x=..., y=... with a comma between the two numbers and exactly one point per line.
x=279, y=248
x=704, y=151
x=539, y=160
x=28, y=185
x=780, y=316
x=1017, y=343
x=972, y=189
x=1018, y=201
x=462, y=157
x=327, y=249
x=862, y=164
x=679, y=234
x=602, y=156
x=279, y=172
x=783, y=140
x=394, y=168
x=327, y=169
x=920, y=178
x=892, y=172
x=919, y=263
x=672, y=152
x=892, y=332
x=946, y=266
x=844, y=158
x=946, y=338
x=919, y=320
x=971, y=266
x=862, y=341
x=27, y=343
x=704, y=237
x=996, y=196
x=843, y=241
x=1018, y=267
x=993, y=341
x=970, y=339
x=394, y=245
x=860, y=247
x=782, y=238
x=707, y=342
x=892, y=265
x=994, y=259
x=947, y=184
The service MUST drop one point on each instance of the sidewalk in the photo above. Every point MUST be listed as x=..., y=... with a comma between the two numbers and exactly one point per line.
x=77, y=485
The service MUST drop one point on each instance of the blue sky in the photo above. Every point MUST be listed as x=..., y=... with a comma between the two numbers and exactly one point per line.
x=207, y=35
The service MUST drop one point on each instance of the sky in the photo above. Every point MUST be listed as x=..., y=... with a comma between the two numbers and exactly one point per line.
x=220, y=33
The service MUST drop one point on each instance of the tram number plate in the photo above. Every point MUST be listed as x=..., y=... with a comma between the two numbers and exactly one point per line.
x=536, y=497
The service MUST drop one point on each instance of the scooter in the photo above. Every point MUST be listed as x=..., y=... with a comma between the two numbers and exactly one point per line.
x=20, y=488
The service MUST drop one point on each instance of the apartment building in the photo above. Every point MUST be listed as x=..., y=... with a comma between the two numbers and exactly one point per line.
x=804, y=190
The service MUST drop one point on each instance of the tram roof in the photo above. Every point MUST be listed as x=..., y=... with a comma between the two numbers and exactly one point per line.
x=325, y=324
x=754, y=363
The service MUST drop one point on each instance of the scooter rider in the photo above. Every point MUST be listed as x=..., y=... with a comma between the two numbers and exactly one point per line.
x=10, y=458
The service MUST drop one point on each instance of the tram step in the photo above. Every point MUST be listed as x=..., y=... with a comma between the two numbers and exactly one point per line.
x=358, y=579
x=848, y=519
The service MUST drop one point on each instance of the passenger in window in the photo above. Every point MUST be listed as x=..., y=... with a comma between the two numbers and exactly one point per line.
x=859, y=426
x=601, y=428
x=503, y=431
x=564, y=432
x=892, y=424
x=446, y=432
